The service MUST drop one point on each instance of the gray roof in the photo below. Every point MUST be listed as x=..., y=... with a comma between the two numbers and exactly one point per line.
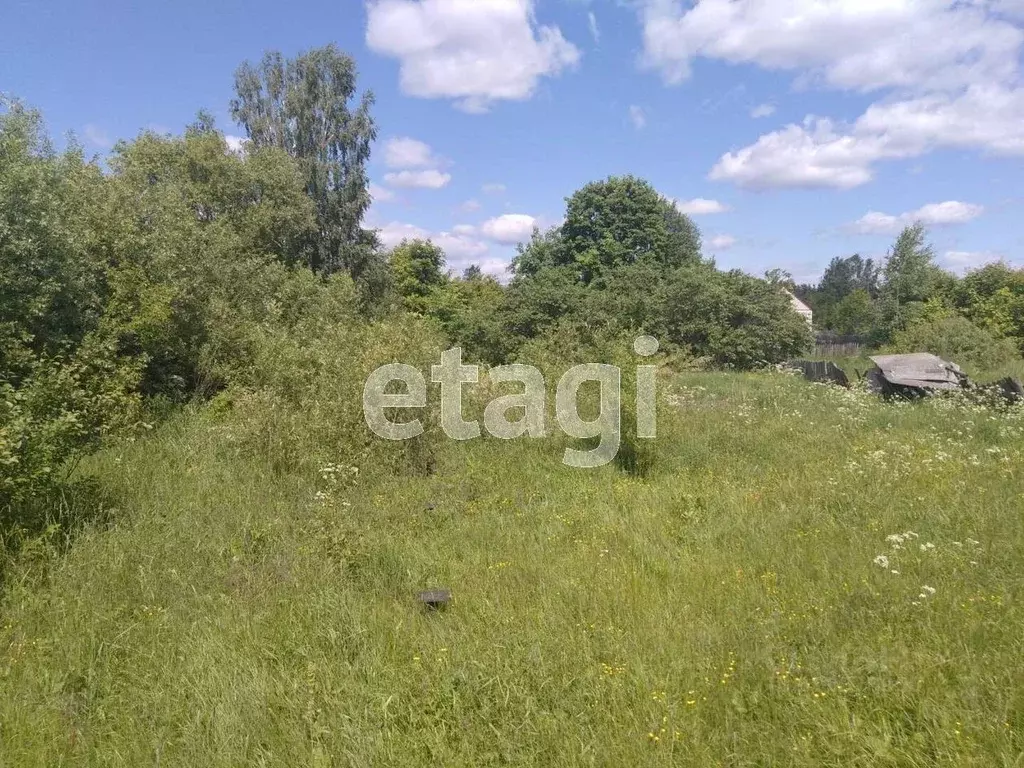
x=919, y=370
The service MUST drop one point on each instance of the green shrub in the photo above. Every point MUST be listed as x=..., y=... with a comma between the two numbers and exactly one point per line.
x=958, y=340
x=299, y=407
x=568, y=344
x=61, y=408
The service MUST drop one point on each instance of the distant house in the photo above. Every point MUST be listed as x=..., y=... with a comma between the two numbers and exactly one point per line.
x=801, y=308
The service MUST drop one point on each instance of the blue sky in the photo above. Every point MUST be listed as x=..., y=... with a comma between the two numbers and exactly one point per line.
x=792, y=130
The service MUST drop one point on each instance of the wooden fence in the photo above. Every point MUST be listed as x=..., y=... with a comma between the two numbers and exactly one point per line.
x=829, y=345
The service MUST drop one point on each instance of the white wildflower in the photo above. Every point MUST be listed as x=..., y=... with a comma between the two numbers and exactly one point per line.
x=929, y=590
x=882, y=561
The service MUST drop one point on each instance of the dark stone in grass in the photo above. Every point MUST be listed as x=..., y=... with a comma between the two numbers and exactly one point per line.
x=435, y=599
x=1012, y=389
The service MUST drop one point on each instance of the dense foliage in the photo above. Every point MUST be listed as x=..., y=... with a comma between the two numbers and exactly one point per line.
x=188, y=271
x=910, y=302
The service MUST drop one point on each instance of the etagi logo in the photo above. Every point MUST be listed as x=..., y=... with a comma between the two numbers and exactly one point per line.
x=451, y=374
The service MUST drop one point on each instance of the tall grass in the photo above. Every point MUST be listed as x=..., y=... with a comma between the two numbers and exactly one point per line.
x=741, y=605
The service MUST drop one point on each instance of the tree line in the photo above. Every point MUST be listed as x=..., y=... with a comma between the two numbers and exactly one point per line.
x=907, y=302
x=185, y=272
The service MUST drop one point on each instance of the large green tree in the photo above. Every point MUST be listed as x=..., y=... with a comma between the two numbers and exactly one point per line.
x=843, y=278
x=63, y=386
x=616, y=222
x=911, y=278
x=188, y=228
x=993, y=298
x=308, y=106
x=51, y=282
x=626, y=260
x=855, y=315
x=418, y=270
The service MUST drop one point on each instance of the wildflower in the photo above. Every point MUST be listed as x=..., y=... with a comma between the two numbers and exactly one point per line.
x=895, y=573
x=926, y=547
x=882, y=561
x=929, y=590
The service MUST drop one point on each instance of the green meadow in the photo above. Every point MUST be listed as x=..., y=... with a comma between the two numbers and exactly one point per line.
x=208, y=558
x=806, y=576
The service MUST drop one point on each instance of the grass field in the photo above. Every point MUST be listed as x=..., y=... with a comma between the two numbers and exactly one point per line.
x=808, y=577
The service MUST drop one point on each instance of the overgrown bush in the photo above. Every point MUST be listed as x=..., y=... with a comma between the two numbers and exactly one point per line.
x=569, y=344
x=61, y=408
x=958, y=340
x=299, y=406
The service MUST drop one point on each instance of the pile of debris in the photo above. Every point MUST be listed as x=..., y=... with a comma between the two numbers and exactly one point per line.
x=914, y=376
x=911, y=377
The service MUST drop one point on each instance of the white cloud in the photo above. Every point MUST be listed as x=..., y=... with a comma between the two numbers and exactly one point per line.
x=394, y=232
x=97, y=136
x=592, y=24
x=474, y=51
x=460, y=247
x=812, y=155
x=963, y=261
x=493, y=189
x=934, y=214
x=464, y=229
x=821, y=153
x=403, y=152
x=235, y=144
x=380, y=194
x=470, y=205
x=509, y=228
x=699, y=206
x=939, y=64
x=850, y=44
x=637, y=116
x=763, y=110
x=1012, y=9
x=722, y=242
x=495, y=267
x=456, y=246
x=430, y=179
